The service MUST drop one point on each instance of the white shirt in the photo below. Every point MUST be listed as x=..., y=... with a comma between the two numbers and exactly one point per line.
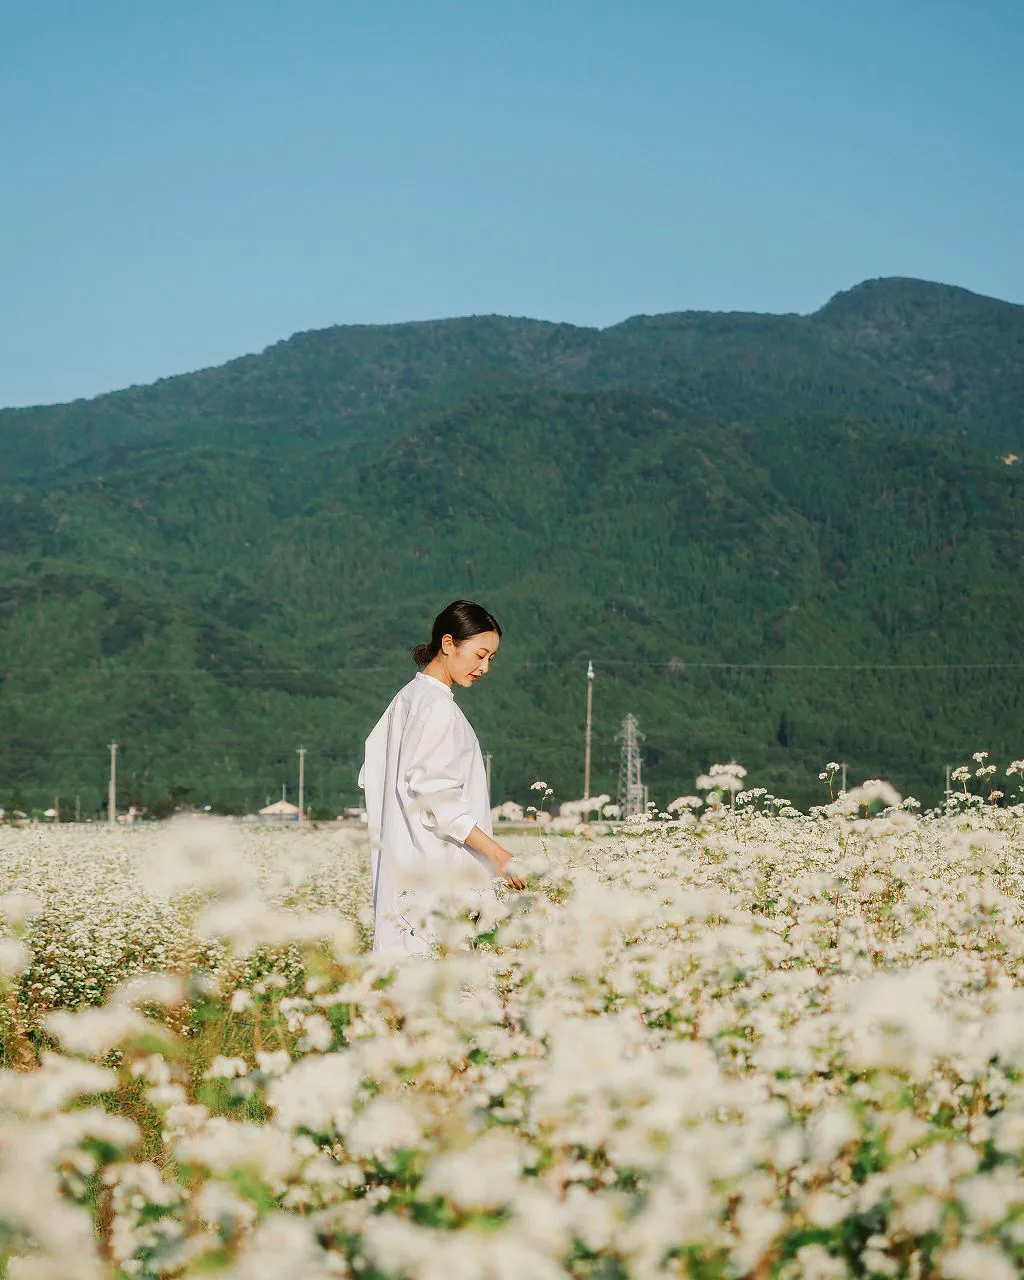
x=426, y=788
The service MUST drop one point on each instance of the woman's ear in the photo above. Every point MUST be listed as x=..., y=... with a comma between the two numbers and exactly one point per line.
x=447, y=645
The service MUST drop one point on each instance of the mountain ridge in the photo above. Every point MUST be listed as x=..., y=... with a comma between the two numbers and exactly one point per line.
x=865, y=287
x=214, y=568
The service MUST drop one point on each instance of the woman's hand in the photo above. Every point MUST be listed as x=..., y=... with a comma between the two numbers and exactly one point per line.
x=511, y=878
x=498, y=856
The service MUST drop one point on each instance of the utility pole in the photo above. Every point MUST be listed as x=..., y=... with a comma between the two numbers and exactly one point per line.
x=78, y=808
x=590, y=720
x=844, y=776
x=487, y=766
x=112, y=790
x=948, y=782
x=302, y=780
x=632, y=792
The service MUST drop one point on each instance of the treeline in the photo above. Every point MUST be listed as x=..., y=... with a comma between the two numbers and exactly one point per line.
x=796, y=497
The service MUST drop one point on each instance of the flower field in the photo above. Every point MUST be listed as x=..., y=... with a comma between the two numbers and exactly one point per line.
x=732, y=1041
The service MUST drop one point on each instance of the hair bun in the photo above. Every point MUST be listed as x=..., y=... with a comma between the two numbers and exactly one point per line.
x=422, y=654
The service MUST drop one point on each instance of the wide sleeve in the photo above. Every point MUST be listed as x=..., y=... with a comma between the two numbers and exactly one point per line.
x=371, y=782
x=435, y=786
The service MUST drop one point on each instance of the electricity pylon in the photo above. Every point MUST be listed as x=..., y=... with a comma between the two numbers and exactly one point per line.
x=632, y=792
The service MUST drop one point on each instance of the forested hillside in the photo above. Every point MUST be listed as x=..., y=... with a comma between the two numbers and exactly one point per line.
x=782, y=539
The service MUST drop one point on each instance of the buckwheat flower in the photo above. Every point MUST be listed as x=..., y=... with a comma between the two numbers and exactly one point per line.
x=873, y=791
x=94, y=1032
x=826, y=1209
x=972, y=1261
x=162, y=1096
x=317, y=1035
x=1009, y=1132
x=57, y=1082
x=15, y=957
x=539, y=1219
x=316, y=1094
x=903, y=1131
x=814, y=1262
x=832, y=1129
x=276, y=1062
x=222, y=1207
x=165, y=989
x=19, y=908
x=757, y=1225
x=222, y=1068
x=205, y=854
x=61, y=1268
x=483, y=1176
x=93, y=1122
x=991, y=1197
x=183, y=1118
x=153, y=1069
x=593, y=1219
x=919, y=1216
x=385, y=1126
x=246, y=923
x=878, y=1263
x=224, y=1146
x=399, y=1247
x=282, y=1247
x=685, y=802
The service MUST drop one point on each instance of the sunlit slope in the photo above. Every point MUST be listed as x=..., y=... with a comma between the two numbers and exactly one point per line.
x=226, y=564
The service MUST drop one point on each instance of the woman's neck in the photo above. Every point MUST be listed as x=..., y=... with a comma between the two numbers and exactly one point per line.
x=437, y=672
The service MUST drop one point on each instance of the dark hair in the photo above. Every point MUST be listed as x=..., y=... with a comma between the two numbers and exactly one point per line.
x=461, y=620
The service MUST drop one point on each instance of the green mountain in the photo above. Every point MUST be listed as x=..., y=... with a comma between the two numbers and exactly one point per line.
x=782, y=539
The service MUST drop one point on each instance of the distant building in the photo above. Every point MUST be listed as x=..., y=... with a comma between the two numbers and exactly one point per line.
x=281, y=811
x=507, y=812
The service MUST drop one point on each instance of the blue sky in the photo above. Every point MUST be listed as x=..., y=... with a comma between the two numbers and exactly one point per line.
x=188, y=181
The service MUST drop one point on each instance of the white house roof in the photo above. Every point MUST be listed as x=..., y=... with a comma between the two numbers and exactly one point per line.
x=281, y=809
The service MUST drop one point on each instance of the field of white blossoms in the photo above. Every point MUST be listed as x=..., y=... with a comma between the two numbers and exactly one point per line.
x=729, y=1041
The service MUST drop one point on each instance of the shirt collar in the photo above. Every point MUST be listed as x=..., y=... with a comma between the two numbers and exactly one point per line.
x=433, y=681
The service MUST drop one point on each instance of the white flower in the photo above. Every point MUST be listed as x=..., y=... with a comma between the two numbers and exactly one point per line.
x=18, y=908
x=316, y=1094
x=814, y=1262
x=15, y=957
x=222, y=1068
x=94, y=1032
x=385, y=1126
x=283, y=1247
x=165, y=989
x=685, y=802
x=484, y=1176
x=973, y=1261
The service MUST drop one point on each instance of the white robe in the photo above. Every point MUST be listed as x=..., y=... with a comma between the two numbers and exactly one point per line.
x=426, y=788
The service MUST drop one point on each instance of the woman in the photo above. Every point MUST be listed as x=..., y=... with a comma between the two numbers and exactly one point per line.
x=427, y=805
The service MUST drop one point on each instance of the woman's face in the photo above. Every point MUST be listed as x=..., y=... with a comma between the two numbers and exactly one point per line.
x=468, y=661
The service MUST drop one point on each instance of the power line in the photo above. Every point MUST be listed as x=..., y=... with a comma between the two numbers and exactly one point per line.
x=676, y=664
